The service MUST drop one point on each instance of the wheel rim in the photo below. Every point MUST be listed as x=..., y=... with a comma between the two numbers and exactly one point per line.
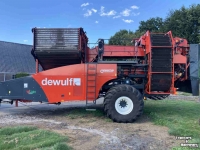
x=124, y=105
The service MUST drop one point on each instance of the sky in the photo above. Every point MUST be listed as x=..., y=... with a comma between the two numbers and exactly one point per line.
x=100, y=18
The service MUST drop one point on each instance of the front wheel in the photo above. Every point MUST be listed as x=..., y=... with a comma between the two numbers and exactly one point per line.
x=123, y=103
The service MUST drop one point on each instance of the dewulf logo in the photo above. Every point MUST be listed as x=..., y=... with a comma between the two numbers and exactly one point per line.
x=106, y=70
x=67, y=82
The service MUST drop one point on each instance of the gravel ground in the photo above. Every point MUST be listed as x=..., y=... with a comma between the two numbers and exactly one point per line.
x=91, y=133
x=182, y=97
x=94, y=133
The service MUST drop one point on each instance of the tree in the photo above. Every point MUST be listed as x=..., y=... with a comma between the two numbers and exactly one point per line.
x=123, y=37
x=21, y=74
x=152, y=24
x=185, y=23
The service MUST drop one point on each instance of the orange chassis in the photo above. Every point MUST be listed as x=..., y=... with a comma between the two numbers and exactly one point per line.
x=122, y=83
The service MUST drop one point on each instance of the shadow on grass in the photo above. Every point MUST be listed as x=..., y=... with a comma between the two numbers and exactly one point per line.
x=82, y=113
x=87, y=116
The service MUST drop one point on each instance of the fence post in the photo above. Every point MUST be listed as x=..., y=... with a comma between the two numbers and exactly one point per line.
x=199, y=91
x=4, y=76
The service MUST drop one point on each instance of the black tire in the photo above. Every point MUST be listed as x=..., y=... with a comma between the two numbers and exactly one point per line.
x=128, y=91
x=158, y=97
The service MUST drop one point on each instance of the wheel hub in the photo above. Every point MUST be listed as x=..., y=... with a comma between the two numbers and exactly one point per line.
x=124, y=105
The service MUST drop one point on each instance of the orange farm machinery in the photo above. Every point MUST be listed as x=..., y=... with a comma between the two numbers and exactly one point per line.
x=154, y=67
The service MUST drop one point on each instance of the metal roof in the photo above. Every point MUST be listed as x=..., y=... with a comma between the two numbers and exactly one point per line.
x=16, y=58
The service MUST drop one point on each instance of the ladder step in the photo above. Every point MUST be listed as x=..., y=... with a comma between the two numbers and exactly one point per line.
x=90, y=109
x=91, y=97
x=91, y=93
x=91, y=85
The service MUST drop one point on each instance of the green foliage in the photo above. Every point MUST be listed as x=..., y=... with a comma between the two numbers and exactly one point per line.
x=23, y=137
x=181, y=117
x=61, y=146
x=183, y=22
x=22, y=74
x=123, y=37
x=152, y=24
x=57, y=146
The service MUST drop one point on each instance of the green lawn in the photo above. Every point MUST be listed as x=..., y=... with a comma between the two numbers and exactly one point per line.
x=31, y=138
x=181, y=117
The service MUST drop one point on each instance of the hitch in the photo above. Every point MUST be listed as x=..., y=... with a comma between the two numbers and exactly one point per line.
x=58, y=103
x=6, y=101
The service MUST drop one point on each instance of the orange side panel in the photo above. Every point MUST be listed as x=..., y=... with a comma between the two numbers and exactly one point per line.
x=91, y=53
x=105, y=72
x=116, y=51
x=119, y=51
x=180, y=59
x=68, y=83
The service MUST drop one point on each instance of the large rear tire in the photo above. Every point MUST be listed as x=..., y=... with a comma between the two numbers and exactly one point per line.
x=123, y=104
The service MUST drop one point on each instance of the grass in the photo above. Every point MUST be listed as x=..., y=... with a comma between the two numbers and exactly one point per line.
x=185, y=94
x=31, y=138
x=181, y=117
x=83, y=113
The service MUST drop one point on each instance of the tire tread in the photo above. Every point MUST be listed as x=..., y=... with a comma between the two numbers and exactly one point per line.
x=121, y=88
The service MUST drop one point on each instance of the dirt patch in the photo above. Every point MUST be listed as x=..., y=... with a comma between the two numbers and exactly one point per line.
x=87, y=133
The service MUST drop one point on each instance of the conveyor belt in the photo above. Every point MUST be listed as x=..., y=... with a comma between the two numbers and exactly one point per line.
x=161, y=62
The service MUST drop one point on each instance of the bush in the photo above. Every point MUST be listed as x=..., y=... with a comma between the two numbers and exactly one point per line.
x=22, y=74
